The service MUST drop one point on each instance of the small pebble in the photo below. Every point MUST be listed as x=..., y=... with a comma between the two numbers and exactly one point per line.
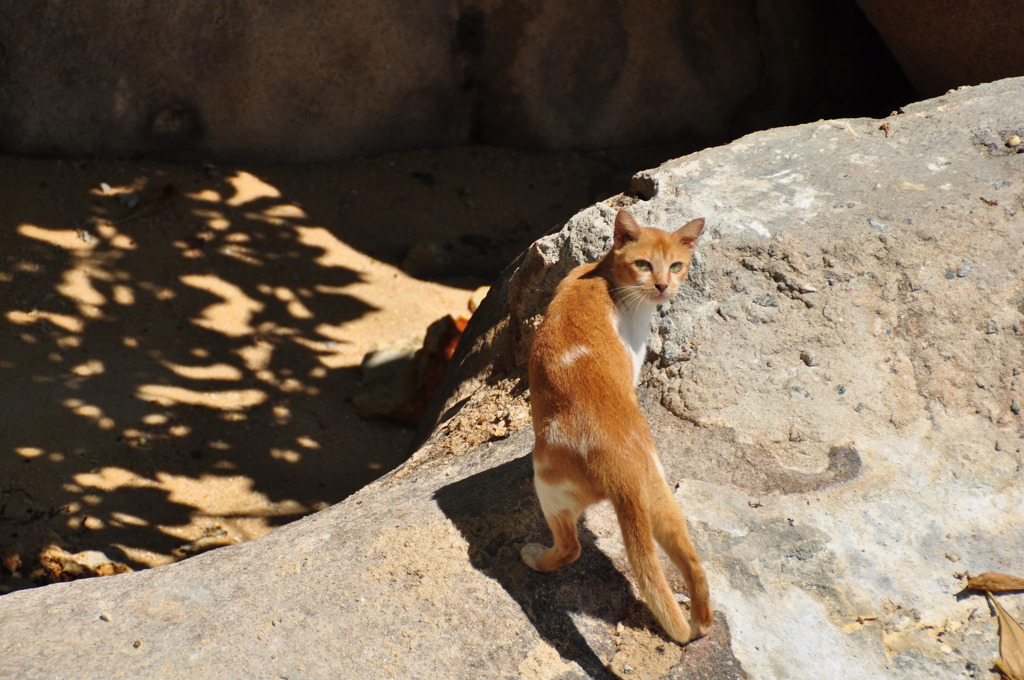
x=808, y=358
x=876, y=224
x=105, y=617
x=964, y=269
x=1012, y=141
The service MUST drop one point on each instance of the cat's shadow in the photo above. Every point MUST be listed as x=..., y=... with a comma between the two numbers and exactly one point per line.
x=497, y=512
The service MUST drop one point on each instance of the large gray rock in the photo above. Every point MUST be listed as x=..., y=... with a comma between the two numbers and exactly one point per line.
x=836, y=393
x=324, y=80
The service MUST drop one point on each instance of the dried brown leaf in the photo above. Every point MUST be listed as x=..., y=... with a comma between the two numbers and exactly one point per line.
x=995, y=582
x=1011, y=643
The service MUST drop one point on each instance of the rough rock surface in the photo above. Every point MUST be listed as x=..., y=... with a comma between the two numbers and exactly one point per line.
x=326, y=80
x=836, y=393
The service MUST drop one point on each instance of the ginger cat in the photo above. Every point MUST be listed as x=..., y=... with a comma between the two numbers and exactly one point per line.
x=592, y=442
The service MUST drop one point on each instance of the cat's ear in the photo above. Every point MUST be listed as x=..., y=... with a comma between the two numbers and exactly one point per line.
x=688, y=233
x=626, y=229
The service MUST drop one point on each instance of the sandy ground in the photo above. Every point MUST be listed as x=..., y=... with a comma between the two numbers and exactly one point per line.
x=180, y=345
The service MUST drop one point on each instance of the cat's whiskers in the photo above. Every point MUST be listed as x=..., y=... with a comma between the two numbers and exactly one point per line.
x=632, y=296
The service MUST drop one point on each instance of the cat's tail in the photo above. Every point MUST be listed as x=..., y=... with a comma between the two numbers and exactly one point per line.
x=653, y=514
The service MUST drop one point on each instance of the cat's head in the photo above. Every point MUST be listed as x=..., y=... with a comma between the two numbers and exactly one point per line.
x=649, y=264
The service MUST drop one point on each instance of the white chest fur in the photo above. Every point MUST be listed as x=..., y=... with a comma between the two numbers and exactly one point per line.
x=632, y=326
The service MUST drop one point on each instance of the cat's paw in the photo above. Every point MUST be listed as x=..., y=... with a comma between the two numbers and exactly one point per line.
x=699, y=629
x=530, y=553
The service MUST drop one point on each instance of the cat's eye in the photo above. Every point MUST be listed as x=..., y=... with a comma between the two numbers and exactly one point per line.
x=642, y=265
x=676, y=267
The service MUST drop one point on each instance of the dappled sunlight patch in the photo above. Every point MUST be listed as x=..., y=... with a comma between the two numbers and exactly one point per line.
x=233, y=316
x=286, y=211
x=336, y=350
x=111, y=478
x=179, y=430
x=287, y=455
x=29, y=451
x=108, y=189
x=212, y=372
x=91, y=412
x=227, y=496
x=112, y=236
x=89, y=368
x=292, y=303
x=323, y=348
x=124, y=295
x=241, y=253
x=214, y=220
x=282, y=414
x=159, y=293
x=204, y=196
x=336, y=253
x=68, y=239
x=256, y=356
x=71, y=324
x=127, y=519
x=77, y=285
x=87, y=266
x=69, y=341
x=249, y=188
x=225, y=400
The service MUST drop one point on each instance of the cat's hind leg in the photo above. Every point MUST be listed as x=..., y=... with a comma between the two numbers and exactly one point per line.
x=562, y=508
x=670, y=531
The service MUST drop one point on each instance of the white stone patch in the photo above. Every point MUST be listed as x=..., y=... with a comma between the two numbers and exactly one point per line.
x=757, y=227
x=861, y=159
x=804, y=197
x=796, y=641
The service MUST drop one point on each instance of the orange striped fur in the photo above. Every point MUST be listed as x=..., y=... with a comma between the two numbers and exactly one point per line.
x=592, y=442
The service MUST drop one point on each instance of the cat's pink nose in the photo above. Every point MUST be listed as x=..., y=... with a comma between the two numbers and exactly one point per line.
x=661, y=287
